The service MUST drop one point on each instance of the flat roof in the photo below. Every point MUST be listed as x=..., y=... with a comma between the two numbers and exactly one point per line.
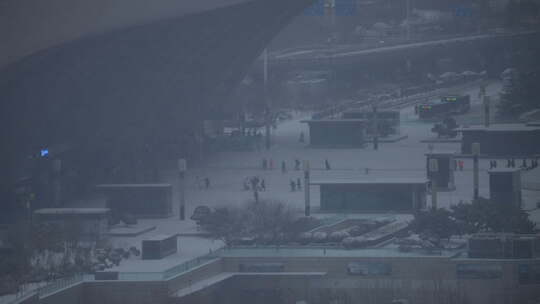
x=309, y=252
x=500, y=128
x=440, y=152
x=160, y=237
x=49, y=211
x=344, y=120
x=132, y=185
x=503, y=170
x=372, y=181
x=370, y=112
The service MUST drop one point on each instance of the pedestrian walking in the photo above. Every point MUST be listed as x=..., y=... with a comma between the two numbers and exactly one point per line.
x=494, y=163
x=327, y=164
x=293, y=185
x=263, y=185
x=512, y=162
x=301, y=139
x=460, y=163
x=206, y=182
x=264, y=164
x=491, y=166
x=283, y=167
x=524, y=163
x=508, y=163
x=296, y=164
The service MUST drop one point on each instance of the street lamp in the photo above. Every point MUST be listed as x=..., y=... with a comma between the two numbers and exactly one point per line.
x=433, y=168
x=486, y=102
x=306, y=168
x=182, y=168
x=475, y=149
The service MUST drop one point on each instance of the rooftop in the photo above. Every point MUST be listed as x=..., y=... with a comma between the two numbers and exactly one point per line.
x=502, y=170
x=371, y=180
x=72, y=211
x=133, y=185
x=307, y=252
x=500, y=127
x=344, y=120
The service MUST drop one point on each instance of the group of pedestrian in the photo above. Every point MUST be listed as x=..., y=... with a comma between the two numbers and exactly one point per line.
x=459, y=164
x=268, y=164
x=295, y=185
x=511, y=163
x=254, y=183
x=203, y=183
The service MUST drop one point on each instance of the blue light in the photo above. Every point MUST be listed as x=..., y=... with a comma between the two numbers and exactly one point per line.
x=44, y=152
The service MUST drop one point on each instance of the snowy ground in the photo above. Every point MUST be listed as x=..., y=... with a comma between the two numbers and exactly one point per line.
x=228, y=170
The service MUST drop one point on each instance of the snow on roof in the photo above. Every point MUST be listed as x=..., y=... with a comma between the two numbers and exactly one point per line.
x=160, y=237
x=500, y=128
x=344, y=120
x=502, y=170
x=72, y=211
x=368, y=181
x=132, y=185
x=441, y=152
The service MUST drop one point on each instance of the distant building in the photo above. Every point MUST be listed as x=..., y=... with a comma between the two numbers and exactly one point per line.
x=337, y=132
x=93, y=223
x=504, y=246
x=502, y=139
x=373, y=195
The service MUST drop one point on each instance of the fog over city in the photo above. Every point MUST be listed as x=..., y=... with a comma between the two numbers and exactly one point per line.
x=270, y=151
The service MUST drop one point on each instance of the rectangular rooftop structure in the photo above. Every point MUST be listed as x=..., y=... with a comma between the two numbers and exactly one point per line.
x=139, y=200
x=374, y=195
x=388, y=121
x=502, y=139
x=337, y=132
x=89, y=223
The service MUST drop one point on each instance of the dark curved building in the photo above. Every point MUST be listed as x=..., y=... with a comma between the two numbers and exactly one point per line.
x=118, y=80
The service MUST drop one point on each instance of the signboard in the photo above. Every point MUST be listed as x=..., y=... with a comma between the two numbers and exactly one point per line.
x=478, y=271
x=369, y=268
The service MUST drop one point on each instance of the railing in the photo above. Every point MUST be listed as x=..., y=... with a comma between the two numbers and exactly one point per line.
x=60, y=284
x=189, y=265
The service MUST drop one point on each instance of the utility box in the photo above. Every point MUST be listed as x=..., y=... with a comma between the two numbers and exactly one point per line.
x=505, y=185
x=443, y=172
x=159, y=246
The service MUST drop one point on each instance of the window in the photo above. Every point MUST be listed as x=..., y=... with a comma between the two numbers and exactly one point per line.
x=529, y=273
x=369, y=268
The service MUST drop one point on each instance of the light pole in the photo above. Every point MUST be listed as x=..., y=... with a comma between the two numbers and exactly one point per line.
x=433, y=168
x=476, y=152
x=267, y=114
x=182, y=168
x=307, y=210
x=407, y=18
x=375, y=129
x=56, y=182
x=486, y=102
